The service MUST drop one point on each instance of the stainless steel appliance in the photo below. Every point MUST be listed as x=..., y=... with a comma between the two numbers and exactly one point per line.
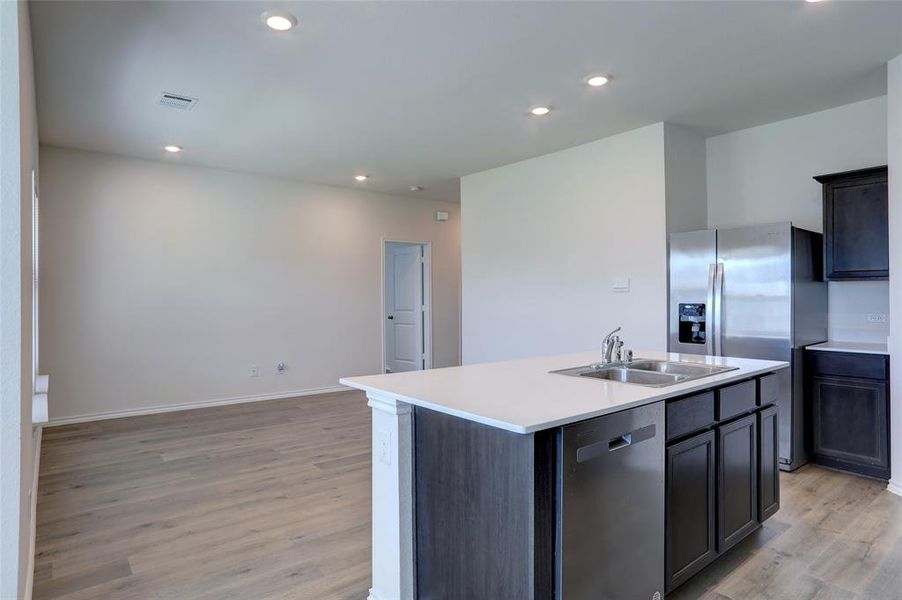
x=610, y=509
x=752, y=292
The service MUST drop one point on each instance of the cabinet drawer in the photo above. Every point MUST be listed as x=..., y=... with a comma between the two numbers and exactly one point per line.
x=768, y=389
x=689, y=414
x=736, y=399
x=847, y=364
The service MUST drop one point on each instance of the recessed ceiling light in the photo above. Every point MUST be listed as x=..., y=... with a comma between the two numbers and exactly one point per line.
x=279, y=21
x=361, y=177
x=596, y=80
x=539, y=111
x=416, y=188
x=812, y=1
x=172, y=148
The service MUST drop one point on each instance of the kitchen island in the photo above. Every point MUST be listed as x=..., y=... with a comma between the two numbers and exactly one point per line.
x=509, y=480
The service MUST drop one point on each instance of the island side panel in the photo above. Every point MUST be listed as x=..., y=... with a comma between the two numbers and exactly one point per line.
x=484, y=510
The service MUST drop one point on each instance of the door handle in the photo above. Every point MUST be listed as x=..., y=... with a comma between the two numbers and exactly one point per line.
x=391, y=317
x=710, y=313
x=718, y=300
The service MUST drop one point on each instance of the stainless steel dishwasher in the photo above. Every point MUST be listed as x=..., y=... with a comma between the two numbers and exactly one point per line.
x=610, y=507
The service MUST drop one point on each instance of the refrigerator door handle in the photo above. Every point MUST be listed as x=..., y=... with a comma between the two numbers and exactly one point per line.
x=710, y=313
x=718, y=310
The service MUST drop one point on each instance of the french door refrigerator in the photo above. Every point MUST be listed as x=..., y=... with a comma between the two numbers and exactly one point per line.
x=752, y=292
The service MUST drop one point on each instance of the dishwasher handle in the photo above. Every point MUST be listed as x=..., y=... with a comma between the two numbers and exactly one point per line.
x=620, y=442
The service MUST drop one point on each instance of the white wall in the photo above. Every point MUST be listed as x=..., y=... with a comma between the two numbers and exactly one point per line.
x=894, y=155
x=685, y=179
x=764, y=174
x=18, y=156
x=543, y=241
x=162, y=283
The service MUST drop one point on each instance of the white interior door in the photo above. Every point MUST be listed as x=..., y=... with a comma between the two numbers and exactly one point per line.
x=404, y=334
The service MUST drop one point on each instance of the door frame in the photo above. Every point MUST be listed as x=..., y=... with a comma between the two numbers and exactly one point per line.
x=427, y=297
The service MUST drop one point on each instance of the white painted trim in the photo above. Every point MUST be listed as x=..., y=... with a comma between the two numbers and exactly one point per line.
x=894, y=487
x=29, y=576
x=427, y=298
x=894, y=341
x=393, y=565
x=389, y=404
x=427, y=302
x=117, y=414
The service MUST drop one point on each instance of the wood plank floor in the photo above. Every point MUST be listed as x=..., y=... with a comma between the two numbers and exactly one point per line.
x=272, y=500
x=260, y=500
x=836, y=537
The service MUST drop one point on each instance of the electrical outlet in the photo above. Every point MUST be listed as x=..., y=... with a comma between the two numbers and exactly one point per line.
x=281, y=368
x=255, y=371
x=385, y=446
x=621, y=285
x=877, y=318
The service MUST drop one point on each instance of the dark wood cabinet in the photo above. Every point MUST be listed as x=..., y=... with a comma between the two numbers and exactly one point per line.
x=687, y=415
x=849, y=398
x=723, y=477
x=856, y=228
x=768, y=465
x=736, y=399
x=849, y=418
x=847, y=364
x=690, y=507
x=737, y=481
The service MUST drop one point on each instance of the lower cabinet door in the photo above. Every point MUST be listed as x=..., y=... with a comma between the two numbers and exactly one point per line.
x=849, y=419
x=690, y=525
x=737, y=481
x=768, y=467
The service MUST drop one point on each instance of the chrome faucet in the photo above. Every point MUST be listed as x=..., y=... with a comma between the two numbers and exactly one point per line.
x=608, y=346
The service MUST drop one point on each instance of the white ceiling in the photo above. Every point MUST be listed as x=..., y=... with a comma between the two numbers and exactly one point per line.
x=421, y=93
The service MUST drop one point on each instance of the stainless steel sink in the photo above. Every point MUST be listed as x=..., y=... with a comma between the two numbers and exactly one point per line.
x=677, y=368
x=650, y=373
x=630, y=376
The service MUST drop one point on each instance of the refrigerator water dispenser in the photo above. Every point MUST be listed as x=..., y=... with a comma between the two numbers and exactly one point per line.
x=692, y=323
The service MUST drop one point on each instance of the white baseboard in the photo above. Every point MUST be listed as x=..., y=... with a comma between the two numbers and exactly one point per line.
x=895, y=487
x=33, y=507
x=136, y=412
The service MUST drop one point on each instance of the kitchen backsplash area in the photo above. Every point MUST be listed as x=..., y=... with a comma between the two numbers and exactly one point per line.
x=858, y=311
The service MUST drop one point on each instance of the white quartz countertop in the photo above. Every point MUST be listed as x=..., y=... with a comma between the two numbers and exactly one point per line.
x=523, y=397
x=859, y=347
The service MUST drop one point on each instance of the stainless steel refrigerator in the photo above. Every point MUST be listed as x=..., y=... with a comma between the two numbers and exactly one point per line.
x=752, y=292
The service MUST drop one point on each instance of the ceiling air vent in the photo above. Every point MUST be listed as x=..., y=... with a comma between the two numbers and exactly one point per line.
x=177, y=101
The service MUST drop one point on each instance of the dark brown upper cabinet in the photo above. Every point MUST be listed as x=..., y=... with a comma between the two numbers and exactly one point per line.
x=856, y=229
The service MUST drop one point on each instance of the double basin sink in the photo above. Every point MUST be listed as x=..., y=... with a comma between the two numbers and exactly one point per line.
x=650, y=373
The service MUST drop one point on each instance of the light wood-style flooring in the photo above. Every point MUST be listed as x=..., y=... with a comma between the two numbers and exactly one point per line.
x=835, y=537
x=272, y=500
x=260, y=500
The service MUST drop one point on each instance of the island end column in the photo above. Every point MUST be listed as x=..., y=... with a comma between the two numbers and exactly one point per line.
x=392, y=459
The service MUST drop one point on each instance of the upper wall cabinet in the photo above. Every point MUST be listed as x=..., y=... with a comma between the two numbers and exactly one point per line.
x=856, y=229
